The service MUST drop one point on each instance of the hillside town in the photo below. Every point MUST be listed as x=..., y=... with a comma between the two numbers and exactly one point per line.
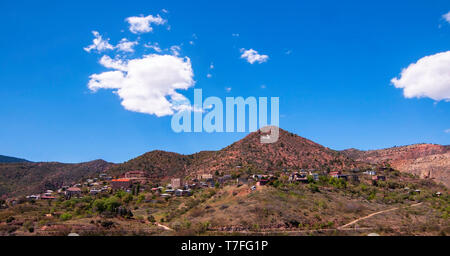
x=136, y=182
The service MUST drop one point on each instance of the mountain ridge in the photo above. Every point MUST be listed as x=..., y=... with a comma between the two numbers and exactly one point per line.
x=10, y=159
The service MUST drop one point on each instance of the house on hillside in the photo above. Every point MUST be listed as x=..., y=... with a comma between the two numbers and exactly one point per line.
x=224, y=179
x=204, y=176
x=180, y=192
x=95, y=191
x=176, y=183
x=73, y=192
x=370, y=172
x=46, y=197
x=263, y=182
x=121, y=184
x=34, y=197
x=335, y=174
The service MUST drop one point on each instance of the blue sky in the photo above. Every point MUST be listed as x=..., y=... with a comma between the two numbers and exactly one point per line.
x=331, y=63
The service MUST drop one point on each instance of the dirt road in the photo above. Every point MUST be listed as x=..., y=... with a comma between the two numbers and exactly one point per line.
x=373, y=214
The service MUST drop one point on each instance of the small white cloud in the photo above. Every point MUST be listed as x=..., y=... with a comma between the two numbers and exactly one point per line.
x=191, y=42
x=211, y=66
x=208, y=75
x=263, y=86
x=154, y=46
x=235, y=34
x=446, y=17
x=126, y=46
x=428, y=77
x=143, y=24
x=175, y=50
x=288, y=52
x=253, y=56
x=447, y=131
x=228, y=89
x=165, y=11
x=149, y=84
x=99, y=44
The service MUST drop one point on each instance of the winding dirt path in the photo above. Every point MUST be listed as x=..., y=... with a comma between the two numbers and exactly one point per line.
x=373, y=214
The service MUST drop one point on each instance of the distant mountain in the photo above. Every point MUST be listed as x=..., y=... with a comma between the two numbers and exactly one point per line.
x=29, y=178
x=8, y=159
x=425, y=160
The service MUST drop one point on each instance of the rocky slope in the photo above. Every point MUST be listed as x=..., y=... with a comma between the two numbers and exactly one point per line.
x=425, y=160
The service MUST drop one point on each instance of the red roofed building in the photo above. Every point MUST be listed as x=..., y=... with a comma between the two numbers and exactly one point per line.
x=120, y=183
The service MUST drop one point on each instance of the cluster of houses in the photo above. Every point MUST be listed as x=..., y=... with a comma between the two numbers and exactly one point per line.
x=93, y=186
x=181, y=187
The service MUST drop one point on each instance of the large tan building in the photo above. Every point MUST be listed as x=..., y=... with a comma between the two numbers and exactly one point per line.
x=204, y=176
x=176, y=183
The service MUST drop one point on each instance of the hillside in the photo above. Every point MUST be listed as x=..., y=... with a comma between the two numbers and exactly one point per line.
x=28, y=178
x=290, y=152
x=425, y=160
x=9, y=159
x=158, y=164
x=401, y=205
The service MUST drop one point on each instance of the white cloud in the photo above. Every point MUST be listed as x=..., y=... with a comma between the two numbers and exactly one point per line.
x=143, y=24
x=99, y=43
x=263, y=86
x=165, y=11
x=447, y=131
x=228, y=89
x=126, y=46
x=118, y=64
x=235, y=34
x=428, y=77
x=253, y=56
x=208, y=75
x=175, y=50
x=148, y=84
x=154, y=46
x=446, y=17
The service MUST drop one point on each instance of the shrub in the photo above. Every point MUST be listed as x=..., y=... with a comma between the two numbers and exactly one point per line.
x=313, y=187
x=128, y=198
x=151, y=219
x=65, y=216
